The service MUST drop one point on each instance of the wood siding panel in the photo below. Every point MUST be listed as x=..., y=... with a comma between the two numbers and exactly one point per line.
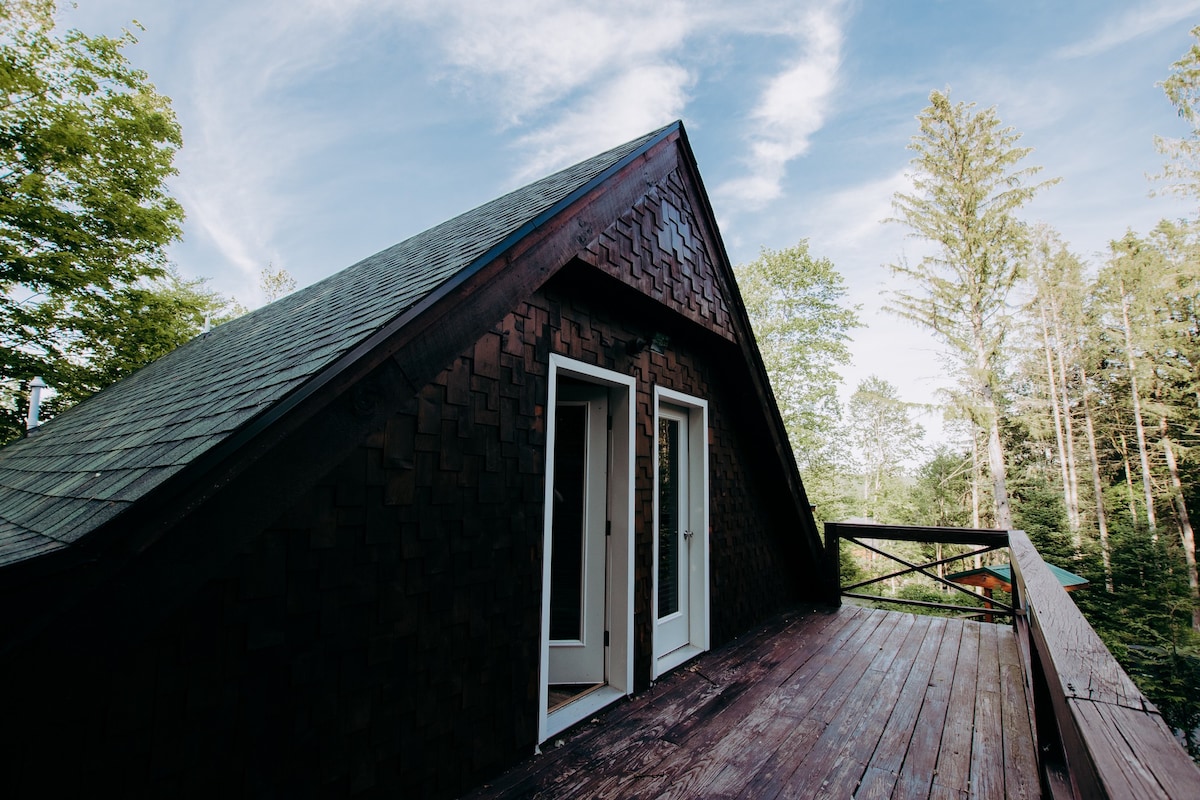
x=658, y=249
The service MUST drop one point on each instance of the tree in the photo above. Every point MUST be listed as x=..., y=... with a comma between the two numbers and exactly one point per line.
x=1135, y=267
x=120, y=332
x=1182, y=88
x=884, y=437
x=942, y=490
x=796, y=303
x=143, y=322
x=1056, y=278
x=275, y=283
x=86, y=145
x=968, y=187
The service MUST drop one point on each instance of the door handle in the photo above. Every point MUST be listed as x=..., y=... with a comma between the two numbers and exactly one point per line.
x=687, y=535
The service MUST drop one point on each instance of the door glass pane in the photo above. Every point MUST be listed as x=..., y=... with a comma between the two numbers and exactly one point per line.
x=668, y=517
x=566, y=555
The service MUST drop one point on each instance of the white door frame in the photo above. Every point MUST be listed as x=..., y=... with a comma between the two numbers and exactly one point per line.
x=669, y=656
x=619, y=653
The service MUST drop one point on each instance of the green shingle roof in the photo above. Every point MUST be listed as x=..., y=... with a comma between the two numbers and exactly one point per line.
x=90, y=463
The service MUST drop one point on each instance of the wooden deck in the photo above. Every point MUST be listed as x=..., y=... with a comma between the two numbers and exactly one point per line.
x=846, y=702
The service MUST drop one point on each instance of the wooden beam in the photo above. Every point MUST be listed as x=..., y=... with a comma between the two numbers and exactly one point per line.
x=918, y=533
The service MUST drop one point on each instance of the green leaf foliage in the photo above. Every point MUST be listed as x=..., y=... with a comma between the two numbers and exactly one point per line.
x=1182, y=87
x=967, y=187
x=883, y=436
x=86, y=148
x=796, y=303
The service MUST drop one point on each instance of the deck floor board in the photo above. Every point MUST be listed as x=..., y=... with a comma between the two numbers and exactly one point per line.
x=846, y=702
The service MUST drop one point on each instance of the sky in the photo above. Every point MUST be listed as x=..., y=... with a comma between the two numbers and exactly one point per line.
x=317, y=132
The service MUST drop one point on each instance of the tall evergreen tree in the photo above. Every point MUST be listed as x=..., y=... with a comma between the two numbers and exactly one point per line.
x=968, y=185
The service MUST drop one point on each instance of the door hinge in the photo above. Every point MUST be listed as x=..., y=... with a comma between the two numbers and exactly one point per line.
x=606, y=638
x=610, y=422
x=608, y=527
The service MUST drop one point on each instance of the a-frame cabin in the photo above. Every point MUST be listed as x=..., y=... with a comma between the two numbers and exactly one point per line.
x=387, y=534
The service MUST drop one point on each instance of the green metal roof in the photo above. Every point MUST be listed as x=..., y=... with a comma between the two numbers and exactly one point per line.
x=1003, y=572
x=90, y=463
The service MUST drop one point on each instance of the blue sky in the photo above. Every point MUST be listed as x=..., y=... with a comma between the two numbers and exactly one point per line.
x=318, y=132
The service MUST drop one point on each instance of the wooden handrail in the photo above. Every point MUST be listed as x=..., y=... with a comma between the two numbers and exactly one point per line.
x=1111, y=740
x=1097, y=734
x=914, y=533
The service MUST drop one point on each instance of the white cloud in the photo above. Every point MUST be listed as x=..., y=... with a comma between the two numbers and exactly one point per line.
x=571, y=80
x=636, y=101
x=852, y=219
x=574, y=80
x=1142, y=19
x=242, y=139
x=561, y=82
x=793, y=106
x=531, y=53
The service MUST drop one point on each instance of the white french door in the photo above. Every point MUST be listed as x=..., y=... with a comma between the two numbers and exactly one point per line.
x=579, y=514
x=674, y=530
x=681, y=528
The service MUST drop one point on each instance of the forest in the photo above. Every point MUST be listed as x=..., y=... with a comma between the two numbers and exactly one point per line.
x=1076, y=412
x=1076, y=409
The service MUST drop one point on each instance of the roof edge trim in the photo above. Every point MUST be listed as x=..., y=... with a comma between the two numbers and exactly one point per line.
x=259, y=425
x=270, y=415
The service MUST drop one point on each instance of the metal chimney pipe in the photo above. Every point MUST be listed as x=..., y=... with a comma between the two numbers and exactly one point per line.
x=35, y=403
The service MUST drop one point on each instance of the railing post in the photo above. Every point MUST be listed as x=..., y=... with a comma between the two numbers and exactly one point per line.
x=833, y=564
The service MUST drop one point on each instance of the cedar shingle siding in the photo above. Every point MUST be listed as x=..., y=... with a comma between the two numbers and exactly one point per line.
x=380, y=634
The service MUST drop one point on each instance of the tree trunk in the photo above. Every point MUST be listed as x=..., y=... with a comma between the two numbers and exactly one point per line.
x=1097, y=484
x=975, y=522
x=1137, y=418
x=1129, y=481
x=1052, y=382
x=1069, y=430
x=1186, y=535
x=866, y=497
x=995, y=450
x=996, y=466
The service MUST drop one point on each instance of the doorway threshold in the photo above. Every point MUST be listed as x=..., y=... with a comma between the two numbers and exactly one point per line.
x=560, y=694
x=579, y=707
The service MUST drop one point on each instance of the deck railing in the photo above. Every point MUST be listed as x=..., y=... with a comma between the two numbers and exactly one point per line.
x=1097, y=735
x=984, y=541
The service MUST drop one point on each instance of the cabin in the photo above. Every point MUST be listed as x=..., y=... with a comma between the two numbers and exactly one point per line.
x=506, y=509
x=393, y=531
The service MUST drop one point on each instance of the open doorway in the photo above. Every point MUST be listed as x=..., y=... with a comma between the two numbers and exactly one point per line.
x=587, y=565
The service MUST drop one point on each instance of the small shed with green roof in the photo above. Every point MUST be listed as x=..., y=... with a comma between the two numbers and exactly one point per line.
x=999, y=576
